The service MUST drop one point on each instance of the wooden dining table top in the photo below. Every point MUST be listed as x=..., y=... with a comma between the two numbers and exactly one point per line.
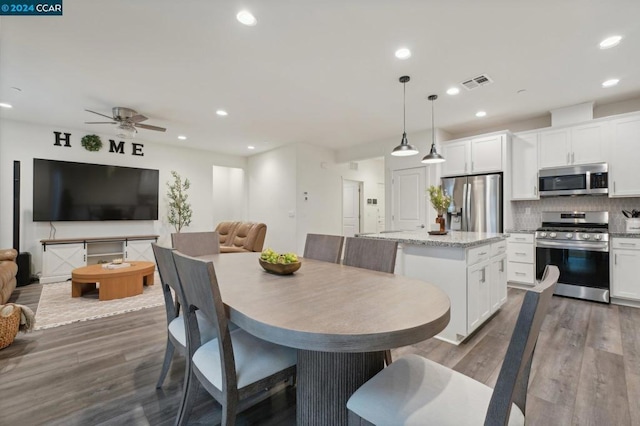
x=329, y=307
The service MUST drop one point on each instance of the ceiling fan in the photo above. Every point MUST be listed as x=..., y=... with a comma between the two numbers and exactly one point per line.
x=127, y=120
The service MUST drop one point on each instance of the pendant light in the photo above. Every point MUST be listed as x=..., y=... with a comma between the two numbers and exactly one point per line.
x=433, y=157
x=404, y=149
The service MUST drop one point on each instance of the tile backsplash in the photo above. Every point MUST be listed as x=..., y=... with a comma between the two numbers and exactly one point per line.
x=533, y=220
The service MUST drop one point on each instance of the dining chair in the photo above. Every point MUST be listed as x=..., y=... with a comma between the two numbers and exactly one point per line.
x=327, y=248
x=176, y=328
x=233, y=366
x=417, y=391
x=196, y=243
x=373, y=254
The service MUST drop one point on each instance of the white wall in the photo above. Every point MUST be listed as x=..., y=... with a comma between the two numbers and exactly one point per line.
x=278, y=180
x=230, y=194
x=23, y=142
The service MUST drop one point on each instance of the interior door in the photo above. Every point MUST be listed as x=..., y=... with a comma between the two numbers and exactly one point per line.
x=350, y=207
x=408, y=199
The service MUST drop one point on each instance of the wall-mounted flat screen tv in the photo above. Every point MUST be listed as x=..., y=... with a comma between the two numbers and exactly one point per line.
x=66, y=191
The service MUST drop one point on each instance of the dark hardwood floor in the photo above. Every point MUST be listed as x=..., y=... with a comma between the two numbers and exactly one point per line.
x=586, y=369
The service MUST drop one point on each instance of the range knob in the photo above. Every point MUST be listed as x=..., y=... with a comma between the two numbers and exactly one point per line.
x=543, y=234
x=552, y=235
x=597, y=236
x=568, y=235
x=586, y=236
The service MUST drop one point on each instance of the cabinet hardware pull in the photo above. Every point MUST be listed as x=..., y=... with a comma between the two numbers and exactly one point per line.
x=535, y=190
x=614, y=186
x=520, y=273
x=483, y=276
x=573, y=157
x=465, y=167
x=472, y=166
x=568, y=158
x=615, y=259
x=501, y=266
x=482, y=254
x=628, y=244
x=519, y=238
x=519, y=253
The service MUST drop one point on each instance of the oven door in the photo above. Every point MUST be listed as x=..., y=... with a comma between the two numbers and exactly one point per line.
x=584, y=269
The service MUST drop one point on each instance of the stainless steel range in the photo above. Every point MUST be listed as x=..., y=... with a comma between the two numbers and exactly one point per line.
x=578, y=244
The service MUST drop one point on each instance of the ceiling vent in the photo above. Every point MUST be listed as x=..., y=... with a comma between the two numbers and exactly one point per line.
x=475, y=82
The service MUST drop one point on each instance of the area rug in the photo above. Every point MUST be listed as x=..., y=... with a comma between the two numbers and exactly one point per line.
x=57, y=307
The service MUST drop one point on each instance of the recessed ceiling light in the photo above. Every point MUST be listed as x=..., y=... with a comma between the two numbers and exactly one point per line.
x=610, y=83
x=222, y=113
x=182, y=138
x=251, y=147
x=5, y=105
x=403, y=53
x=610, y=42
x=453, y=91
x=481, y=114
x=245, y=17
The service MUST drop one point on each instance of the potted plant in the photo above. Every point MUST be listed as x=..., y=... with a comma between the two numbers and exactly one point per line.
x=440, y=202
x=179, y=209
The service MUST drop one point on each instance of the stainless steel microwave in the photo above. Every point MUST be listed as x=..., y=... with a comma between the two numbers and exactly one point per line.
x=586, y=179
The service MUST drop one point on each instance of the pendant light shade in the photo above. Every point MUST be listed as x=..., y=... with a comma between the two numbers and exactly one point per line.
x=404, y=149
x=433, y=157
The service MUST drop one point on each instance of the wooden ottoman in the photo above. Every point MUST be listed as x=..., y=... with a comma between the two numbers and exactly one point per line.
x=114, y=283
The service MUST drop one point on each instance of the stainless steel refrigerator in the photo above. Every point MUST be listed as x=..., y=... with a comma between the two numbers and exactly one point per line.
x=476, y=203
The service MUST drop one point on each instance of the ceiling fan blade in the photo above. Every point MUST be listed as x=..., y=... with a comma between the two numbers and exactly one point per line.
x=150, y=127
x=108, y=116
x=138, y=118
x=99, y=122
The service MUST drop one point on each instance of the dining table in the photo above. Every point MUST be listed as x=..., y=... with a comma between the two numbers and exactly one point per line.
x=340, y=319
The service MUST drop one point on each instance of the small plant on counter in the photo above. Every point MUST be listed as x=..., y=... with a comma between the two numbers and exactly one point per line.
x=439, y=199
x=179, y=214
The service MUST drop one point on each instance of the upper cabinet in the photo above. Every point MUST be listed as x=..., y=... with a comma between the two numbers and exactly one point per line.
x=625, y=157
x=581, y=144
x=483, y=154
x=524, y=166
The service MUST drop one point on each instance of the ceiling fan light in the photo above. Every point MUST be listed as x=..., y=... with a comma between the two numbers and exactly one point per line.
x=126, y=131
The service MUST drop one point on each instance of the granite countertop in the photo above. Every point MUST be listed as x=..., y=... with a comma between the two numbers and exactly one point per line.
x=452, y=239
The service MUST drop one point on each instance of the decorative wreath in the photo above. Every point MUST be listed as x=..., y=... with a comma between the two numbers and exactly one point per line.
x=91, y=142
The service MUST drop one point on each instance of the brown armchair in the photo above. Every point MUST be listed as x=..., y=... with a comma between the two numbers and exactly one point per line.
x=8, y=271
x=237, y=237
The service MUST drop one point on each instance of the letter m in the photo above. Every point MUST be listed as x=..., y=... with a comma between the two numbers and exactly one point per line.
x=113, y=147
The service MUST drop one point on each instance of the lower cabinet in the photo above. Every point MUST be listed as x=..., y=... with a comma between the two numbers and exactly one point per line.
x=60, y=257
x=625, y=268
x=474, y=279
x=521, y=259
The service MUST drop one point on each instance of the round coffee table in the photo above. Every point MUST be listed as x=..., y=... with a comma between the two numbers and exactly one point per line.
x=114, y=283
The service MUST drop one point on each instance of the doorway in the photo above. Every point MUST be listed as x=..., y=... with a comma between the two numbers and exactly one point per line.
x=408, y=196
x=351, y=205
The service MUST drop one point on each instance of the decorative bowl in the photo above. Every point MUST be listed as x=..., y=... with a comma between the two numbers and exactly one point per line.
x=280, y=268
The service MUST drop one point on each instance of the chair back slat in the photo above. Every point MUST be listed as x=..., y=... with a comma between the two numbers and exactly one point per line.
x=196, y=243
x=371, y=253
x=168, y=280
x=327, y=248
x=513, y=380
x=201, y=292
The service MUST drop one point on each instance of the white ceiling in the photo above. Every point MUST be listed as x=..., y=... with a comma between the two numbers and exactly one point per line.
x=320, y=72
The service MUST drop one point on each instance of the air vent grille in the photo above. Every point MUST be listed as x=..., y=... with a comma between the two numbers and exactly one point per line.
x=475, y=82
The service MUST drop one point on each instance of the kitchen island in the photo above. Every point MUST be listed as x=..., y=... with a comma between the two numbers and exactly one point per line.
x=469, y=266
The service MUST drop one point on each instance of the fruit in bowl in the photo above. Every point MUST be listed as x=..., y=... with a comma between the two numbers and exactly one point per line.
x=281, y=264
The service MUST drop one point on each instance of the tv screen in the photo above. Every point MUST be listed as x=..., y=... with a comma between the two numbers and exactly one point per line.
x=66, y=191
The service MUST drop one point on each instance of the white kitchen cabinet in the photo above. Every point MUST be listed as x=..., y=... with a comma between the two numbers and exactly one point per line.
x=521, y=259
x=478, y=295
x=482, y=154
x=625, y=157
x=581, y=144
x=457, y=156
x=61, y=257
x=524, y=166
x=625, y=268
x=498, y=283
